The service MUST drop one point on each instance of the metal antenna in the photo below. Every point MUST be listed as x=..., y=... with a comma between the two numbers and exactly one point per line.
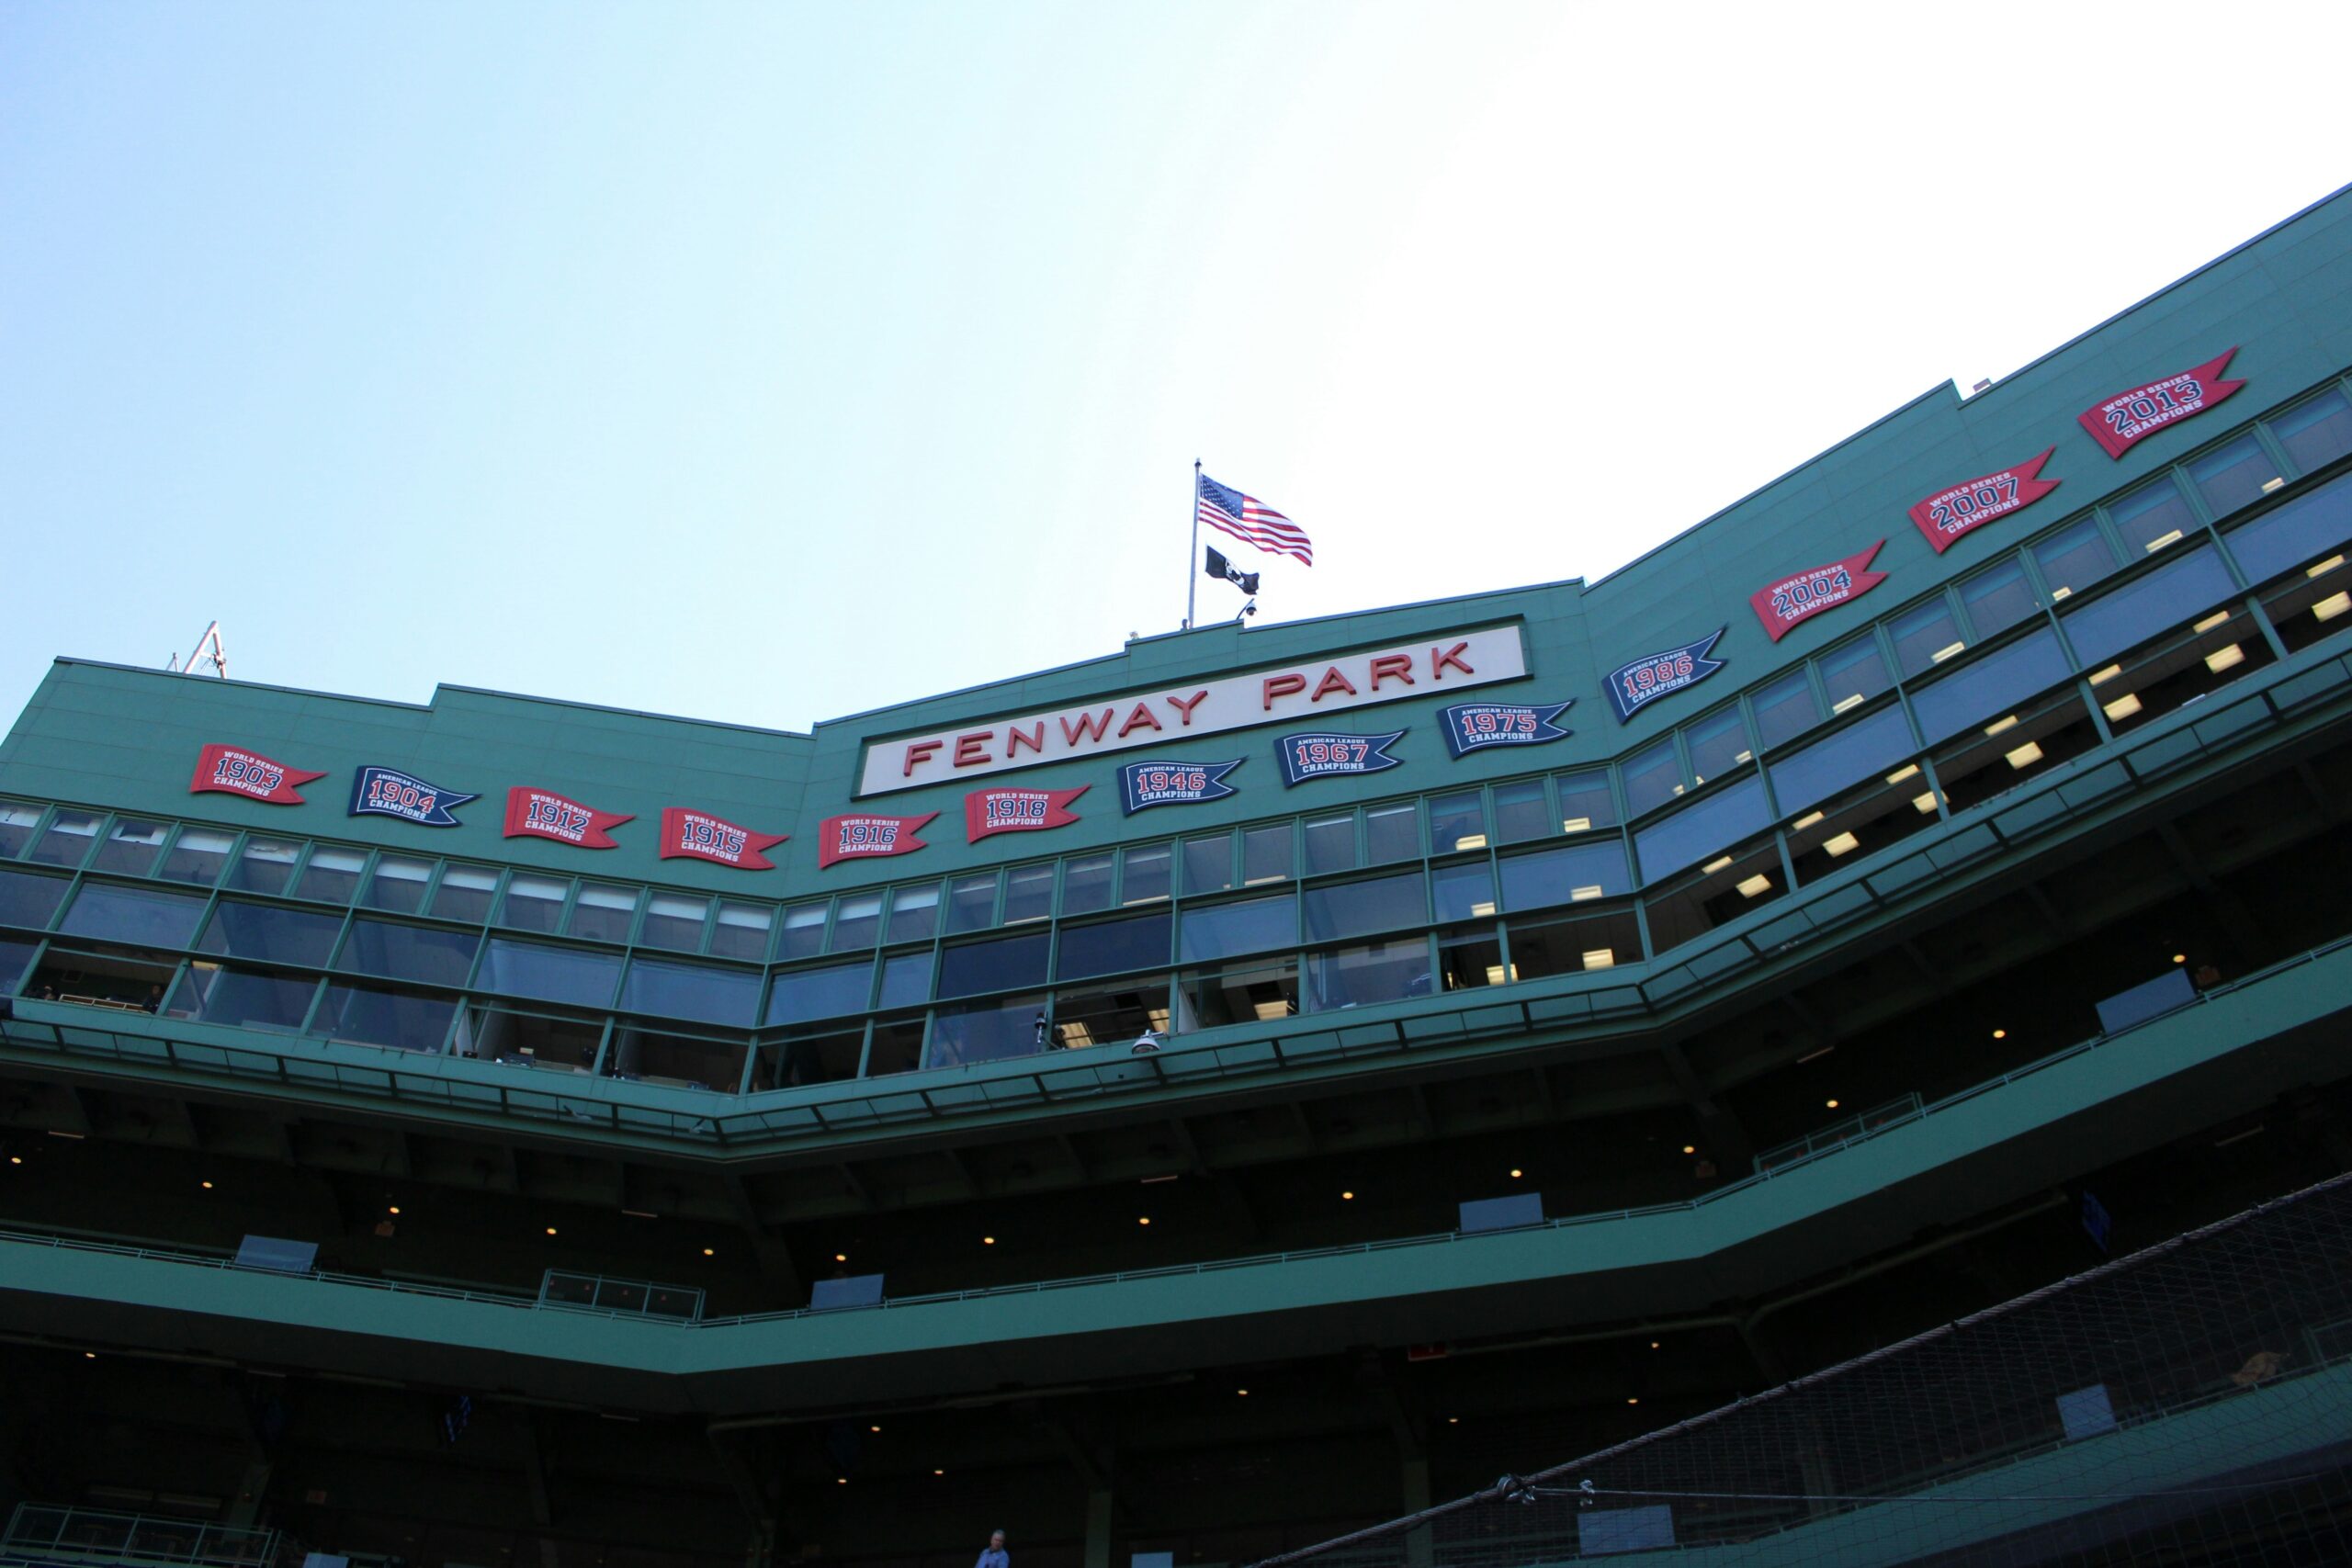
x=219, y=656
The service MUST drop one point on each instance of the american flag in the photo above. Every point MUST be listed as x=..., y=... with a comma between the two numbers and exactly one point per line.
x=1251, y=521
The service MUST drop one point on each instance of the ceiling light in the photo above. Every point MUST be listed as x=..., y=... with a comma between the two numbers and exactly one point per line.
x=2123, y=706
x=1690, y=1148
x=2218, y=618
x=2330, y=564
x=1483, y=910
x=1243, y=1392
x=1908, y=769
x=873, y=1428
x=1652, y=1344
x=841, y=1480
x=1470, y=841
x=1576, y=824
x=1831, y=1103
x=1579, y=895
x=1815, y=1055
x=1347, y=1197
x=2273, y=483
x=89, y=1355
x=988, y=1241
x=1268, y=1011
x=641, y=1214
x=2059, y=592
x=841, y=1257
x=1153, y=1180
x=1800, y=825
x=2000, y=1034
x=2222, y=658
x=2181, y=958
x=1631, y=1400
x=20, y=1159
x=1745, y=757
x=1754, y=885
x=1843, y=845
x=1600, y=958
x=1721, y=862
x=1925, y=804
x=1454, y=1420
x=2109, y=674
x=939, y=1473
x=1514, y=1173
x=59, y=1133
x=550, y=1230
x=2026, y=755
x=208, y=1187
x=2161, y=540
x=1842, y=704
x=1949, y=650
x=709, y=1252
x=1143, y=1220
x=1493, y=973
x=2332, y=606
x=1998, y=725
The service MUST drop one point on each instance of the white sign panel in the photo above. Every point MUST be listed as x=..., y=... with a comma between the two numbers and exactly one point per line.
x=1169, y=716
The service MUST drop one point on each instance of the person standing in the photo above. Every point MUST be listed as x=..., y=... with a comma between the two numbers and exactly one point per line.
x=995, y=1556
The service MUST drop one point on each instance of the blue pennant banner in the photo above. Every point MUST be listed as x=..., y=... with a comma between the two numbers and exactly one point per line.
x=387, y=792
x=1319, y=756
x=1473, y=727
x=1143, y=786
x=1634, y=686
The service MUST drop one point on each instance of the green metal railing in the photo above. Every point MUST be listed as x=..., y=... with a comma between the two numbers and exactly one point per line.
x=39, y=1534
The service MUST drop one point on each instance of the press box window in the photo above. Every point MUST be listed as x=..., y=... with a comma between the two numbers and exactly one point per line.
x=141, y=917
x=131, y=847
x=333, y=875
x=1028, y=893
x=1457, y=822
x=1086, y=885
x=1854, y=673
x=804, y=931
x=856, y=922
x=1392, y=833
x=16, y=825
x=1332, y=843
x=29, y=900
x=534, y=903
x=464, y=893
x=1266, y=854
x=68, y=839
x=1997, y=598
x=2237, y=475
x=1925, y=636
x=1718, y=744
x=2074, y=557
x=399, y=884
x=1208, y=864
x=914, y=912
x=1521, y=812
x=971, y=903
x=2315, y=433
x=675, y=923
x=1786, y=708
x=1146, y=869
x=2154, y=515
x=265, y=865
x=1586, y=803
x=1653, y=777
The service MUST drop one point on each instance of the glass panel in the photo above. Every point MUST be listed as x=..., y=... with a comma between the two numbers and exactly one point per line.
x=399, y=884
x=265, y=866
x=1997, y=598
x=15, y=957
x=374, y=1015
x=565, y=1044
x=2180, y=666
x=831, y=992
x=906, y=980
x=275, y=1003
x=971, y=902
x=1332, y=843
x=1464, y=892
x=1147, y=869
x=1786, y=708
x=2153, y=516
x=266, y=931
x=1571, y=874
x=333, y=875
x=602, y=912
x=804, y=931
x=1209, y=865
x=551, y=974
x=857, y=922
x=463, y=892
x=197, y=856
x=914, y=912
x=1028, y=893
x=1266, y=854
x=2137, y=611
x=16, y=824
x=674, y=922
x=988, y=1032
x=1380, y=903
x=409, y=953
x=2233, y=476
x=1979, y=766
x=2292, y=533
x=1925, y=636
x=699, y=991
x=2309, y=604
x=1392, y=833
x=1555, y=945
x=1653, y=777
x=1698, y=832
x=28, y=900
x=1086, y=883
x=808, y=1056
x=1854, y=673
x=1110, y=1015
x=1981, y=692
x=1365, y=977
x=1140, y=942
x=1521, y=812
x=1252, y=925
x=1471, y=959
x=1866, y=746
x=131, y=847
x=2315, y=433
x=127, y=979
x=1586, y=803
x=2074, y=557
x=1697, y=901
x=1240, y=993
x=68, y=841
x=146, y=916
x=1718, y=744
x=993, y=966
x=534, y=903
x=1887, y=809
x=897, y=1046
x=1457, y=822
x=742, y=930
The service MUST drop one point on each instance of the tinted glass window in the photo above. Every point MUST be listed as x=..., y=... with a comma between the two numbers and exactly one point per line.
x=1086, y=885
x=197, y=856
x=1392, y=833
x=16, y=824
x=987, y=1031
x=1786, y=708
x=1140, y=942
x=1363, y=977
x=1925, y=635
x=1330, y=843
x=264, y=931
x=131, y=847
x=1568, y=875
x=1865, y=746
x=1985, y=690
x=1145, y=874
x=1521, y=812
x=906, y=980
x=804, y=928
x=1464, y=892
x=1997, y=598
x=399, y=884
x=68, y=841
x=2234, y=474
x=409, y=953
x=742, y=930
x=675, y=923
x=971, y=902
x=551, y=974
x=1586, y=803
x=15, y=958
x=464, y=893
x=265, y=866
x=28, y=901
x=691, y=990
x=1266, y=854
x=914, y=912
x=2315, y=433
x=1653, y=777
x=147, y=917
x=603, y=912
x=1457, y=822
x=858, y=921
x=217, y=995
x=830, y=992
x=333, y=875
x=2289, y=535
x=1718, y=744
x=1381, y=903
x=1697, y=831
x=993, y=966
x=1253, y=925
x=534, y=903
x=376, y=1015
x=2074, y=557
x=2152, y=516
x=1854, y=673
x=2137, y=611
x=1208, y=864
x=1028, y=893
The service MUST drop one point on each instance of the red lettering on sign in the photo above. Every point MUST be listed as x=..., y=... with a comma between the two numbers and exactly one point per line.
x=1333, y=682
x=917, y=751
x=1141, y=718
x=1400, y=665
x=1185, y=707
x=1016, y=738
x=1283, y=686
x=968, y=748
x=1438, y=661
x=1090, y=726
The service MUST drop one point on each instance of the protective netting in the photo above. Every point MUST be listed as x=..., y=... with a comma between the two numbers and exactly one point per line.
x=2190, y=1404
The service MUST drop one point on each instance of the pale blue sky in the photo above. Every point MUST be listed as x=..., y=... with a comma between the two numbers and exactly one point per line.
x=768, y=363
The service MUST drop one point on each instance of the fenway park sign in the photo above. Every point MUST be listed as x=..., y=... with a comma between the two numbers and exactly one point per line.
x=1159, y=716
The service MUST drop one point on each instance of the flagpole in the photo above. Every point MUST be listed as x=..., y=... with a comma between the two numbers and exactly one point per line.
x=1193, y=551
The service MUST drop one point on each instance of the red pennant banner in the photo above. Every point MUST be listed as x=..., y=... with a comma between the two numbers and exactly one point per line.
x=988, y=811
x=541, y=814
x=858, y=838
x=1948, y=514
x=701, y=836
x=232, y=770
x=1805, y=595
x=2132, y=416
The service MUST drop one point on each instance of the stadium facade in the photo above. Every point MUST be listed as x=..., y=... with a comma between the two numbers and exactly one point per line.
x=1210, y=1098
